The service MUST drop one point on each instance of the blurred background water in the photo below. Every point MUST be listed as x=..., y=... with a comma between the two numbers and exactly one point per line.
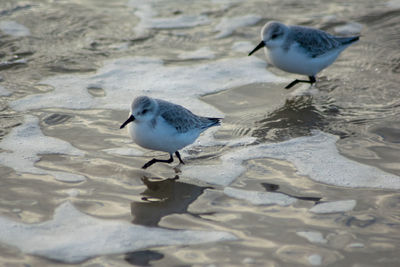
x=70, y=69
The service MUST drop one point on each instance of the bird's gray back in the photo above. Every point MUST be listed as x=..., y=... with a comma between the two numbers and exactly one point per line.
x=314, y=42
x=182, y=119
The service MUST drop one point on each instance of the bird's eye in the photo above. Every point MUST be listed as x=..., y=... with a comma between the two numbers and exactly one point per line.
x=274, y=36
x=144, y=111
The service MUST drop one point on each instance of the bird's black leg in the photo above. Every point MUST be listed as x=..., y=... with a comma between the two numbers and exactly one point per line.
x=179, y=157
x=151, y=162
x=311, y=81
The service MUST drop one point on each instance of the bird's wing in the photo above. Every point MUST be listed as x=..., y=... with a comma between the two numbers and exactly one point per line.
x=182, y=119
x=314, y=42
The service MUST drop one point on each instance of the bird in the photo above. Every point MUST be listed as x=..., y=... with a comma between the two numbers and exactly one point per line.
x=160, y=125
x=301, y=50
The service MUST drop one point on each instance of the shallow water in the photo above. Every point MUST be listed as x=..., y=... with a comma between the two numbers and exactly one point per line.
x=307, y=176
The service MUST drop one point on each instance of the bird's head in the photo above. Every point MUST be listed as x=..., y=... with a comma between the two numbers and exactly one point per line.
x=143, y=109
x=273, y=35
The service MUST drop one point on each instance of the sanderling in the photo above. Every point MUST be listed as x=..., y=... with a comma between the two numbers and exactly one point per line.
x=301, y=50
x=164, y=126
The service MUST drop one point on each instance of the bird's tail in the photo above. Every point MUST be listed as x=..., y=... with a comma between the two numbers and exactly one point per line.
x=349, y=40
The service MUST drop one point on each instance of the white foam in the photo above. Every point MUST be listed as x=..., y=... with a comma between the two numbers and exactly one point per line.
x=202, y=53
x=66, y=177
x=13, y=28
x=260, y=198
x=315, y=259
x=124, y=152
x=243, y=46
x=228, y=25
x=124, y=79
x=208, y=140
x=73, y=192
x=245, y=140
x=350, y=28
x=334, y=206
x=4, y=91
x=144, y=12
x=6, y=64
x=315, y=156
x=223, y=174
x=313, y=236
x=122, y=46
x=356, y=245
x=72, y=236
x=329, y=19
x=26, y=142
x=249, y=260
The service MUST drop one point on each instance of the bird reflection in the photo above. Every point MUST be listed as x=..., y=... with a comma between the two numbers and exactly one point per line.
x=297, y=117
x=163, y=197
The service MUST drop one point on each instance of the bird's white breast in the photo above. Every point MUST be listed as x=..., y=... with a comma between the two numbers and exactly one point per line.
x=160, y=136
x=294, y=60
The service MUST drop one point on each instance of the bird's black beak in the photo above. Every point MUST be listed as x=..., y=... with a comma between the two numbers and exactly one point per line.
x=260, y=45
x=130, y=119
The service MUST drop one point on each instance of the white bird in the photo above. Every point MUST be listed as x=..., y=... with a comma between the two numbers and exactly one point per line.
x=164, y=126
x=301, y=50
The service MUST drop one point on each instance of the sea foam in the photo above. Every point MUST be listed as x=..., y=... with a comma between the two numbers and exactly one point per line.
x=313, y=236
x=334, y=206
x=4, y=91
x=124, y=79
x=26, y=142
x=351, y=28
x=227, y=26
x=72, y=236
x=260, y=198
x=13, y=28
x=315, y=156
